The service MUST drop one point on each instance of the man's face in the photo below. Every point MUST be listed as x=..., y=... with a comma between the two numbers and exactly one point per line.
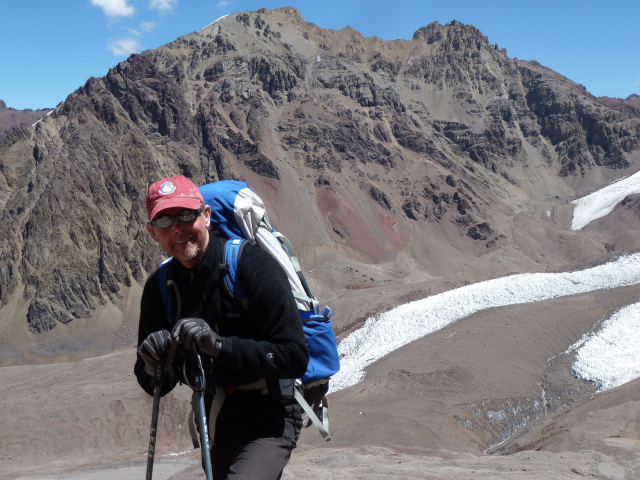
x=186, y=242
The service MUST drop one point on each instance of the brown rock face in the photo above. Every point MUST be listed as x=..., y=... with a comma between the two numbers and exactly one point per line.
x=361, y=149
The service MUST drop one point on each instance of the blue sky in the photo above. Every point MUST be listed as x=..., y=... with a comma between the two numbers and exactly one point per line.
x=50, y=48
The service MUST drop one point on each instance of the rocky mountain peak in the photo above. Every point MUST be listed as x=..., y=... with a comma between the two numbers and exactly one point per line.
x=292, y=15
x=454, y=33
x=396, y=149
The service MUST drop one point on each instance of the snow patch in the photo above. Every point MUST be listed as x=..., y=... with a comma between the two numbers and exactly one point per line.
x=50, y=112
x=386, y=332
x=611, y=356
x=600, y=203
x=216, y=20
x=576, y=345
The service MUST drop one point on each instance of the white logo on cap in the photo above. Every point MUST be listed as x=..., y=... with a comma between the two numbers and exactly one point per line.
x=166, y=188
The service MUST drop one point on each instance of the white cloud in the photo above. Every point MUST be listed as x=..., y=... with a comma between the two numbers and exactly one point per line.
x=114, y=8
x=124, y=46
x=144, y=27
x=164, y=6
x=223, y=4
x=637, y=82
x=147, y=26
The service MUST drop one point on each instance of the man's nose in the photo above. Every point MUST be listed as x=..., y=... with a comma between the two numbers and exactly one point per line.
x=178, y=225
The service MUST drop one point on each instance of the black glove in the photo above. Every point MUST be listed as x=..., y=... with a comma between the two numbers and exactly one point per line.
x=157, y=348
x=190, y=330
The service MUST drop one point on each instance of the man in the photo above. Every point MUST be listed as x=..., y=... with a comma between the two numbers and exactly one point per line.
x=247, y=353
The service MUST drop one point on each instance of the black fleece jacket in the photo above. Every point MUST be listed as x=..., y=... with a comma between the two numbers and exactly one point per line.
x=265, y=340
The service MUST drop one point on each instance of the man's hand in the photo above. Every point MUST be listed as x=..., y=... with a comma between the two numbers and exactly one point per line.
x=158, y=348
x=190, y=330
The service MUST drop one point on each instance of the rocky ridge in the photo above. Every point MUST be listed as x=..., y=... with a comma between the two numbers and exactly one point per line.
x=11, y=118
x=396, y=140
x=629, y=105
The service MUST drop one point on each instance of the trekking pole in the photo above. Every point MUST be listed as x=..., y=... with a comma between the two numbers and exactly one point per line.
x=154, y=420
x=204, y=429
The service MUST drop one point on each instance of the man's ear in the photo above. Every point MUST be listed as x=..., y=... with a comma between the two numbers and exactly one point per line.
x=152, y=232
x=207, y=215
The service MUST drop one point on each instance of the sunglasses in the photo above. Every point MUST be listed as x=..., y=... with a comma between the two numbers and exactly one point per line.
x=185, y=216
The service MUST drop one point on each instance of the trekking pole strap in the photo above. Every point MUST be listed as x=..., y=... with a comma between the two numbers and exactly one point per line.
x=171, y=283
x=193, y=430
x=322, y=426
x=216, y=405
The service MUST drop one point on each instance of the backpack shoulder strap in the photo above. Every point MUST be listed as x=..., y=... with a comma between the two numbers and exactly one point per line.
x=230, y=259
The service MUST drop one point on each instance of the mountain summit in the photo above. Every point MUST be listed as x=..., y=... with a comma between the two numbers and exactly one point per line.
x=387, y=163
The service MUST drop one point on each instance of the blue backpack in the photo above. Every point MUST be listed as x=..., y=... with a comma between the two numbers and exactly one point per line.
x=238, y=215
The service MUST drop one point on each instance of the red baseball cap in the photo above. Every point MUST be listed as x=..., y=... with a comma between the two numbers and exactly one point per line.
x=172, y=192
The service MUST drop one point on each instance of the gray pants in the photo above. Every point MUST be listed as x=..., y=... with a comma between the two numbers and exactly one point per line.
x=260, y=459
x=253, y=446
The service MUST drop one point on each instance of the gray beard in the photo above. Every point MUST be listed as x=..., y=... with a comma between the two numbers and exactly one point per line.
x=193, y=251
